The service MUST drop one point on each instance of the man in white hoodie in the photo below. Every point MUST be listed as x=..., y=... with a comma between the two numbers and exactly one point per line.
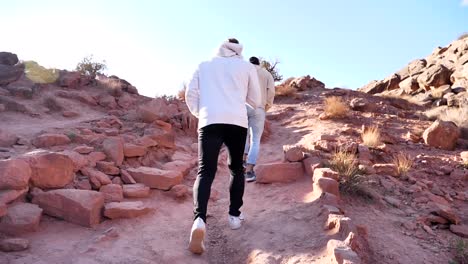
x=216, y=95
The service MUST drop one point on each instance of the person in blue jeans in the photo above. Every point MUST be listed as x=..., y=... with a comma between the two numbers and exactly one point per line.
x=256, y=119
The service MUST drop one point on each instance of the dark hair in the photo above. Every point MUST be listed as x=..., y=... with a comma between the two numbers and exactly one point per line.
x=254, y=60
x=233, y=40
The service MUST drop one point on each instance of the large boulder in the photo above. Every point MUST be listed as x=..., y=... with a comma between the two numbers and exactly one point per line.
x=442, y=134
x=156, y=109
x=80, y=207
x=69, y=79
x=279, y=172
x=125, y=210
x=374, y=87
x=14, y=174
x=50, y=140
x=156, y=178
x=435, y=76
x=409, y=85
x=21, y=218
x=50, y=170
x=9, y=74
x=114, y=149
x=8, y=58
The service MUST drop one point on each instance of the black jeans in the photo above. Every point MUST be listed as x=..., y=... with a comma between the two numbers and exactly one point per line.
x=210, y=140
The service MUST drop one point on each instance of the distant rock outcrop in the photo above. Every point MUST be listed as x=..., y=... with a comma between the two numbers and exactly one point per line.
x=443, y=74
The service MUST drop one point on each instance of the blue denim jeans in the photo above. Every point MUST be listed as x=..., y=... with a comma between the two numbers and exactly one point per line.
x=256, y=126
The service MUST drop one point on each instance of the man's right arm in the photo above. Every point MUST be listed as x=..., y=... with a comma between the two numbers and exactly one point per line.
x=254, y=96
x=270, y=90
x=192, y=94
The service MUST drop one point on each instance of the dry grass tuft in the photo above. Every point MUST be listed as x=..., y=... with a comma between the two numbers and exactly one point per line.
x=403, y=162
x=335, y=107
x=285, y=90
x=371, y=137
x=346, y=164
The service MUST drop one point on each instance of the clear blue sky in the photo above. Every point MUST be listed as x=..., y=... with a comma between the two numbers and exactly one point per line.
x=157, y=44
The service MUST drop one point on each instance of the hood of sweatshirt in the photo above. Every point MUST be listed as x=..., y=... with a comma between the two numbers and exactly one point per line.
x=228, y=49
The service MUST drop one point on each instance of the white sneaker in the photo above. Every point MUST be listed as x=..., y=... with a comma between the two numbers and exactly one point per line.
x=197, y=236
x=235, y=222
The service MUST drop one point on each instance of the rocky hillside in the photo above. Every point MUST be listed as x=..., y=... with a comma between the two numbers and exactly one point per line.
x=439, y=79
x=343, y=177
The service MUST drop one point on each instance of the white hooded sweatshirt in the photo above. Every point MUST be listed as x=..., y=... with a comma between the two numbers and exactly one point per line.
x=220, y=88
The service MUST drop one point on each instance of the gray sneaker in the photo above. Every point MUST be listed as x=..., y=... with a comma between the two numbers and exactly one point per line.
x=250, y=176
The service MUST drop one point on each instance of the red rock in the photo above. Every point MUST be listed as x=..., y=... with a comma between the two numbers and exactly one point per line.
x=434, y=219
x=50, y=140
x=69, y=79
x=327, y=173
x=107, y=167
x=79, y=161
x=50, y=170
x=112, y=193
x=459, y=174
x=164, y=138
x=279, y=172
x=7, y=139
x=13, y=244
x=180, y=165
x=137, y=190
x=96, y=156
x=76, y=206
x=156, y=178
x=179, y=192
x=83, y=185
x=156, y=109
x=327, y=185
x=126, y=177
x=131, y=150
x=386, y=169
x=70, y=114
x=147, y=142
x=460, y=230
x=117, y=180
x=96, y=177
x=125, y=210
x=14, y=174
x=8, y=196
x=293, y=154
x=447, y=213
x=84, y=149
x=113, y=147
x=442, y=135
x=21, y=218
x=311, y=164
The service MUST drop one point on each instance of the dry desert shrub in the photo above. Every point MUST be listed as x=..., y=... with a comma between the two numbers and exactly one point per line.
x=403, y=162
x=346, y=164
x=285, y=90
x=335, y=107
x=371, y=137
